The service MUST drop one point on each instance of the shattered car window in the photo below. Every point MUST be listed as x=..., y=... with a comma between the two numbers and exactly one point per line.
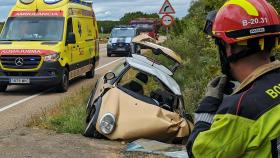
x=130, y=81
x=148, y=86
x=164, y=60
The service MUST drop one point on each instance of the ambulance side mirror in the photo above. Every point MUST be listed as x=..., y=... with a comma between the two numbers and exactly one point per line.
x=71, y=38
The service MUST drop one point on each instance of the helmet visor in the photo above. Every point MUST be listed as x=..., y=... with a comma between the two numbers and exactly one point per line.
x=209, y=22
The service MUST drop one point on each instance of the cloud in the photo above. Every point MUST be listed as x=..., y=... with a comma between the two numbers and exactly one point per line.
x=5, y=7
x=7, y=2
x=115, y=9
x=120, y=7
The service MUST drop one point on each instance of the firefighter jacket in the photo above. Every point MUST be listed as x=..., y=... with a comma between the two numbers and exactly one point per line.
x=246, y=124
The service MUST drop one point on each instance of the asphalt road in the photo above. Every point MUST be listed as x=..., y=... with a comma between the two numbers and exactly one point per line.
x=19, y=103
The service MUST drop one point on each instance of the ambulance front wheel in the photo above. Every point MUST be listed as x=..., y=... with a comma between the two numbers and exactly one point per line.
x=64, y=83
x=91, y=73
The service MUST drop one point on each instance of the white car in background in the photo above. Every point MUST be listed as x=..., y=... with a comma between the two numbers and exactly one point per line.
x=120, y=41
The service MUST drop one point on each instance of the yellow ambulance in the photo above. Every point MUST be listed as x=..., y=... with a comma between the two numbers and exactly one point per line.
x=48, y=42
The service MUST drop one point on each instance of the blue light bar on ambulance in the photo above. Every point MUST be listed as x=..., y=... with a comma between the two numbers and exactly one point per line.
x=52, y=1
x=26, y=1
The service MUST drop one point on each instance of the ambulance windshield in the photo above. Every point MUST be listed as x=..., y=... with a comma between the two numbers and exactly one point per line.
x=33, y=29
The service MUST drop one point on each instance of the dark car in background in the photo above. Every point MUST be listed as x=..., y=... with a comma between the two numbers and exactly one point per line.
x=149, y=26
x=120, y=41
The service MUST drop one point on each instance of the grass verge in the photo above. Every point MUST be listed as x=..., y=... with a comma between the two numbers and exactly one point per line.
x=68, y=116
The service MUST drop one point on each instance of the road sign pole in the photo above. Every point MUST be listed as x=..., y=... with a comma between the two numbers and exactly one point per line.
x=102, y=31
x=167, y=19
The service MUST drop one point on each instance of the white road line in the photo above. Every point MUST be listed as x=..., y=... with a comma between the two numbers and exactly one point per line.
x=21, y=101
x=38, y=94
x=109, y=64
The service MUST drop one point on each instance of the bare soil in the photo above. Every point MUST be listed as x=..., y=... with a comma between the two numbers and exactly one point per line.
x=35, y=143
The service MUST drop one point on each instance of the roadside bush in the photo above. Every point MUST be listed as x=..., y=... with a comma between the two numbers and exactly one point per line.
x=198, y=51
x=68, y=116
x=200, y=60
x=200, y=63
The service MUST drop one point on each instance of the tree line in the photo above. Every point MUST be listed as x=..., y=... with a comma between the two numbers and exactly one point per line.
x=108, y=25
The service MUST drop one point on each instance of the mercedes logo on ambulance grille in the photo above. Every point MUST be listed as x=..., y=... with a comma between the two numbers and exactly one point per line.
x=19, y=61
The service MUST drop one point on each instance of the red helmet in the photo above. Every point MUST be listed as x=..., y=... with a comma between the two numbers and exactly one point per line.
x=240, y=20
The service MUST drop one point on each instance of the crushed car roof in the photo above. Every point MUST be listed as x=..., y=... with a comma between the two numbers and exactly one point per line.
x=143, y=37
x=147, y=41
x=153, y=63
x=168, y=52
x=144, y=64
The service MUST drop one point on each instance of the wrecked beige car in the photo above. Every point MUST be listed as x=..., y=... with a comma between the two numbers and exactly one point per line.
x=139, y=99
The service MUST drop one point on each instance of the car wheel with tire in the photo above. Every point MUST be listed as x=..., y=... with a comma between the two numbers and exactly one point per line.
x=3, y=87
x=90, y=130
x=64, y=83
x=91, y=73
x=89, y=104
x=109, y=54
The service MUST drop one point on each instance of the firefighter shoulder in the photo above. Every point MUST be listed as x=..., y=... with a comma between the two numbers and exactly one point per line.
x=246, y=124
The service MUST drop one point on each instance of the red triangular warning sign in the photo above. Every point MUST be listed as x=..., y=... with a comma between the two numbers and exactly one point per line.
x=167, y=8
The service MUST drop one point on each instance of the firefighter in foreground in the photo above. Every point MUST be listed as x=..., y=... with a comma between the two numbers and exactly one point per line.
x=246, y=123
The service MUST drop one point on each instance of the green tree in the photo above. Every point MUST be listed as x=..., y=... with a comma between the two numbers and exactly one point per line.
x=177, y=27
x=276, y=4
x=125, y=20
x=107, y=25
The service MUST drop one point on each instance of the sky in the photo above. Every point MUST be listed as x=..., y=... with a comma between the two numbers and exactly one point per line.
x=115, y=9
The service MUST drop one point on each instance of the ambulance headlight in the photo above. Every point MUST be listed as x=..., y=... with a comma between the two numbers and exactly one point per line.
x=26, y=1
x=51, y=1
x=52, y=57
x=107, y=123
